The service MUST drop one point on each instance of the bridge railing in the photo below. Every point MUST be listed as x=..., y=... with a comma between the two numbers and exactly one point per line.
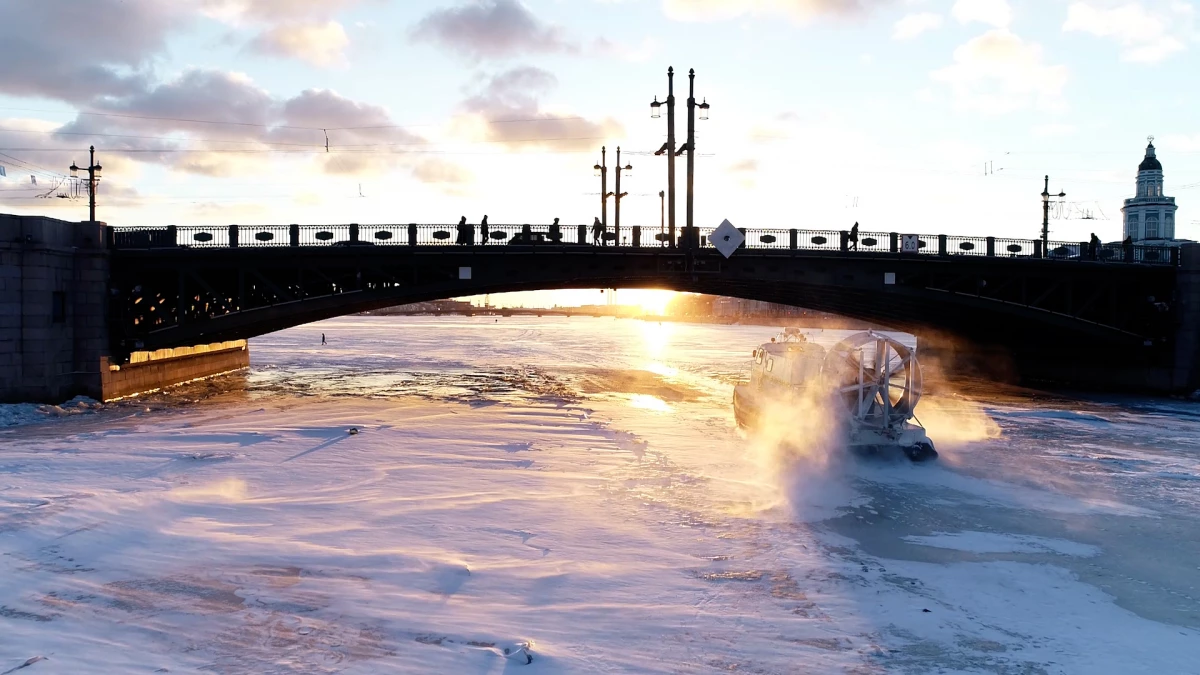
x=264, y=236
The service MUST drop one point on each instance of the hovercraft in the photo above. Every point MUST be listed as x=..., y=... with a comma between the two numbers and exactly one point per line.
x=873, y=382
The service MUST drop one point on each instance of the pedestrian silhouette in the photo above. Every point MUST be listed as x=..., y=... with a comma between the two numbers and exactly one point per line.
x=465, y=232
x=322, y=338
x=1094, y=246
x=1127, y=245
x=483, y=230
x=597, y=232
x=556, y=222
x=854, y=236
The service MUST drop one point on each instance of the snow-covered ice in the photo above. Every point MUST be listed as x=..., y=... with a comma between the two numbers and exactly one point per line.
x=571, y=495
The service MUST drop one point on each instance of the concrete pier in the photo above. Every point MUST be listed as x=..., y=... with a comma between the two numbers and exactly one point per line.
x=54, y=323
x=53, y=308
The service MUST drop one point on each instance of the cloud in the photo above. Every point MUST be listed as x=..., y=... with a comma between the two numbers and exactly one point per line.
x=801, y=11
x=998, y=72
x=272, y=11
x=438, y=171
x=363, y=137
x=913, y=25
x=992, y=12
x=1145, y=36
x=507, y=110
x=57, y=49
x=319, y=44
x=491, y=29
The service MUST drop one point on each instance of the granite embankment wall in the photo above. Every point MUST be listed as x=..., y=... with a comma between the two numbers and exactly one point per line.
x=168, y=367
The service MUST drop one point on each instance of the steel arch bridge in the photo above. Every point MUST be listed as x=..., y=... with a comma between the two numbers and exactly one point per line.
x=1068, y=304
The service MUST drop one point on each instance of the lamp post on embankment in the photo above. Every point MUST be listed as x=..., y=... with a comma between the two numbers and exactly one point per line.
x=602, y=172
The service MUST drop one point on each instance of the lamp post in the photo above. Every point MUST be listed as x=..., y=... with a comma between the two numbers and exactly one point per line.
x=1046, y=216
x=93, y=170
x=602, y=172
x=668, y=149
x=690, y=148
x=662, y=216
x=617, y=195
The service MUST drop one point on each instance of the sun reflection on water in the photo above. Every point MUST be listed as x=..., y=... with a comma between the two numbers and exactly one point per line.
x=647, y=402
x=657, y=337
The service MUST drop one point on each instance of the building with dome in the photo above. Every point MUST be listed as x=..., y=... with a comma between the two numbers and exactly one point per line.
x=1149, y=215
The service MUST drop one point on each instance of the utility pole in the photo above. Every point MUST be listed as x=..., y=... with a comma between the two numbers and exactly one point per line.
x=617, y=195
x=668, y=148
x=690, y=148
x=602, y=171
x=1046, y=216
x=93, y=170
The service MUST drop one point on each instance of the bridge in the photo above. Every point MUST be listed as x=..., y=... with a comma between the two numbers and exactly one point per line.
x=1067, y=311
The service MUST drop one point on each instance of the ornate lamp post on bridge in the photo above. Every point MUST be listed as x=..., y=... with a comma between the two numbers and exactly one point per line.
x=689, y=146
x=1046, y=217
x=602, y=172
x=668, y=149
x=93, y=170
x=617, y=195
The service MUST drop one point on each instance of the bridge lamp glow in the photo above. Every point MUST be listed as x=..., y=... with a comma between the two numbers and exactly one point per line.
x=655, y=109
x=74, y=170
x=598, y=169
x=703, y=109
x=628, y=170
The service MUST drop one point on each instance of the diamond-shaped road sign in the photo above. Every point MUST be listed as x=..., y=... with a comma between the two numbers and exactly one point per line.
x=726, y=238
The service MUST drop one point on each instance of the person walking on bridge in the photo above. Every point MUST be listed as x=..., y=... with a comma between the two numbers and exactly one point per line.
x=597, y=232
x=1093, y=247
x=465, y=232
x=854, y=236
x=483, y=230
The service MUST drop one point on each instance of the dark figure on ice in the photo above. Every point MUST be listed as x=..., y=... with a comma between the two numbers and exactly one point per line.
x=597, y=232
x=854, y=236
x=1094, y=247
x=322, y=338
x=465, y=232
x=483, y=230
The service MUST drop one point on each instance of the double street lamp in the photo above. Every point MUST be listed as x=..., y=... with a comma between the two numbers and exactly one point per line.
x=93, y=170
x=602, y=172
x=689, y=147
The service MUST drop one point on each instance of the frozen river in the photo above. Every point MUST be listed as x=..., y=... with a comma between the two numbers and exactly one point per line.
x=576, y=490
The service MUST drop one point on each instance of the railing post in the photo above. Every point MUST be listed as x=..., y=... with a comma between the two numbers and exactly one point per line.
x=991, y=247
x=894, y=242
x=745, y=239
x=637, y=235
x=793, y=238
x=110, y=236
x=1175, y=256
x=171, y=236
x=942, y=246
x=582, y=234
x=293, y=235
x=412, y=234
x=233, y=236
x=845, y=240
x=1037, y=248
x=353, y=233
x=1085, y=251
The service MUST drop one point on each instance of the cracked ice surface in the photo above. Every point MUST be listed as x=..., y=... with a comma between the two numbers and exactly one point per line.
x=574, y=489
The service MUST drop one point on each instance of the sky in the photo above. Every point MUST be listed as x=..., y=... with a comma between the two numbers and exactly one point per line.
x=823, y=112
